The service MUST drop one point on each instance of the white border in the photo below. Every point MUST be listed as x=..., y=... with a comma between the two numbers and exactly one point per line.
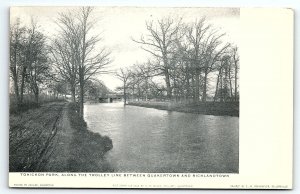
x=4, y=4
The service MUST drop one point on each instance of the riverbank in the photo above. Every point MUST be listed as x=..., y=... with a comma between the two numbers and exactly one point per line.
x=32, y=135
x=208, y=108
x=53, y=138
x=86, y=149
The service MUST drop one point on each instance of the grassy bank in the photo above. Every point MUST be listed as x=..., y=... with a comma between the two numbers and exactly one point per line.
x=32, y=137
x=86, y=148
x=29, y=103
x=208, y=108
x=54, y=138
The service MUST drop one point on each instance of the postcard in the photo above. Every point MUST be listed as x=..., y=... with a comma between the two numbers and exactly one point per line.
x=151, y=97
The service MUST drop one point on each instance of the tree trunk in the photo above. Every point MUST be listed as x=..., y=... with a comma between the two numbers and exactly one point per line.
x=81, y=66
x=81, y=99
x=133, y=93
x=36, y=96
x=14, y=69
x=16, y=89
x=217, y=86
x=193, y=88
x=230, y=84
x=81, y=93
x=139, y=92
x=22, y=84
x=188, y=93
x=169, y=91
x=221, y=89
x=204, y=87
x=197, y=89
x=73, y=93
x=235, y=82
x=124, y=91
x=146, y=84
x=226, y=80
x=175, y=92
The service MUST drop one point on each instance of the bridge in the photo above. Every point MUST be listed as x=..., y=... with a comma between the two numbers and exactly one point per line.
x=110, y=98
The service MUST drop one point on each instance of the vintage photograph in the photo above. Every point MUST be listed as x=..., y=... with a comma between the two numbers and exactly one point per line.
x=124, y=89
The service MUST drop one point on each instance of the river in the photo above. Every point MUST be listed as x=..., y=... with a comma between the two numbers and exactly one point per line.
x=150, y=140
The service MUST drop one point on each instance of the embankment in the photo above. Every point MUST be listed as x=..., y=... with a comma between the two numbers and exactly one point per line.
x=86, y=149
x=208, y=108
x=32, y=136
x=54, y=138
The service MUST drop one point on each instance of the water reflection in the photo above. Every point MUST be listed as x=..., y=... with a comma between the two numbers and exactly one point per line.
x=150, y=140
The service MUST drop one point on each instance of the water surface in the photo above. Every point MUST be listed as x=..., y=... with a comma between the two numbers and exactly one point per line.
x=150, y=140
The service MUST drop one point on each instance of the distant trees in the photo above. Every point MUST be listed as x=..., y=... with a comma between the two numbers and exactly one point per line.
x=96, y=89
x=59, y=88
x=139, y=84
x=124, y=75
x=189, y=56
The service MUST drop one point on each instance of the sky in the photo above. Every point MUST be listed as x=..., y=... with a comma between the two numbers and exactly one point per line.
x=118, y=25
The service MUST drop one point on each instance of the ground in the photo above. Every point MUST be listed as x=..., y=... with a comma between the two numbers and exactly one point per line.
x=208, y=108
x=53, y=138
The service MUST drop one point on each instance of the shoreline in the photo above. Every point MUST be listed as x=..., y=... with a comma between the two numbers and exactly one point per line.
x=208, y=108
x=87, y=148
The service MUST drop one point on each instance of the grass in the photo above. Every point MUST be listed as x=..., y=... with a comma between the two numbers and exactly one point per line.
x=31, y=137
x=50, y=138
x=208, y=108
x=29, y=103
x=87, y=149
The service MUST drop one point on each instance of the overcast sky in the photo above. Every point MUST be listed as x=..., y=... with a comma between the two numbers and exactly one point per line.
x=119, y=24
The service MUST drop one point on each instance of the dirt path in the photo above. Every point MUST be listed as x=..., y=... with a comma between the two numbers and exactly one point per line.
x=58, y=162
x=53, y=138
x=32, y=135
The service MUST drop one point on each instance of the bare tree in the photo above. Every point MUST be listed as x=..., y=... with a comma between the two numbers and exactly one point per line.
x=159, y=42
x=64, y=49
x=193, y=49
x=124, y=75
x=90, y=62
x=38, y=67
x=187, y=54
x=84, y=56
x=17, y=36
x=28, y=60
x=236, y=59
x=212, y=53
x=221, y=86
